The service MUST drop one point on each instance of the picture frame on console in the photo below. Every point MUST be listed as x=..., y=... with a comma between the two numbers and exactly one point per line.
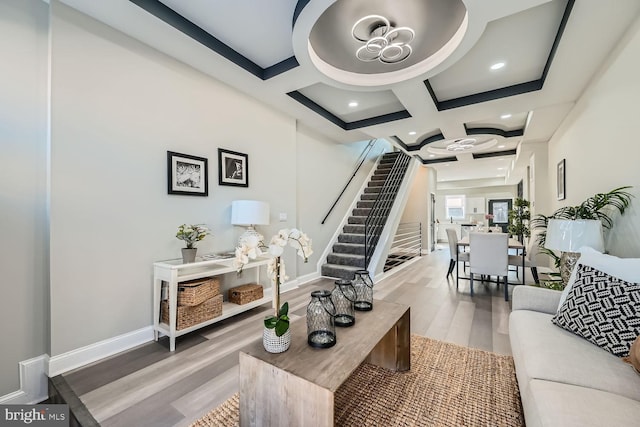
x=560, y=180
x=187, y=175
x=233, y=168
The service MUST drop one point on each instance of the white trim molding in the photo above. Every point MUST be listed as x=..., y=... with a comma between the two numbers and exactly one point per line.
x=33, y=383
x=82, y=356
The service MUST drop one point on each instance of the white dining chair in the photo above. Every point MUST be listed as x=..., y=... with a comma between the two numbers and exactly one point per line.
x=455, y=254
x=488, y=255
x=530, y=255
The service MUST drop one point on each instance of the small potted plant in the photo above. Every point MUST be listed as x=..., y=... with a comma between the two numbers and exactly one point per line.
x=191, y=234
x=276, y=336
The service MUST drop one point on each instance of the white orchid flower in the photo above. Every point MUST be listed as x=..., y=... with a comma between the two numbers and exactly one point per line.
x=276, y=250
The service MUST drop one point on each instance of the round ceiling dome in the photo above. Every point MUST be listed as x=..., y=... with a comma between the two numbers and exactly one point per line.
x=375, y=42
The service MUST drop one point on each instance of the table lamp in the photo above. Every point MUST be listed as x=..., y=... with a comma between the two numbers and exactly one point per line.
x=568, y=236
x=249, y=213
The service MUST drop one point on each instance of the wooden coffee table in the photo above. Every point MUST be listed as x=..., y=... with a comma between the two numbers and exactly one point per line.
x=297, y=387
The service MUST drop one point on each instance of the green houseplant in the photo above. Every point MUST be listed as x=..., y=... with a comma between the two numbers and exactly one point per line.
x=519, y=218
x=191, y=234
x=601, y=206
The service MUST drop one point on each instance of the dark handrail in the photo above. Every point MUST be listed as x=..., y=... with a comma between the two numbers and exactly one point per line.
x=364, y=157
x=374, y=223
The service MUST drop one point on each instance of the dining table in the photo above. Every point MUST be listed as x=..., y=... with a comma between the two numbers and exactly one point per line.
x=513, y=244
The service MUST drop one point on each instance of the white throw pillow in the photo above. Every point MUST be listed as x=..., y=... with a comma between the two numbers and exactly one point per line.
x=627, y=269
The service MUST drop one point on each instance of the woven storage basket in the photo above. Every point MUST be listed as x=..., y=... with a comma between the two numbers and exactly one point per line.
x=192, y=315
x=197, y=291
x=246, y=293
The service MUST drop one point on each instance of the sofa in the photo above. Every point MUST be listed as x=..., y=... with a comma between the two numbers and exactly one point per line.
x=564, y=379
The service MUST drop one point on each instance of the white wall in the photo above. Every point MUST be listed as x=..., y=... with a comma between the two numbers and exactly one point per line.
x=600, y=144
x=117, y=107
x=491, y=192
x=23, y=163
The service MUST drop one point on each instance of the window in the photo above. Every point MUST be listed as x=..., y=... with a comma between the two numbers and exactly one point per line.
x=455, y=206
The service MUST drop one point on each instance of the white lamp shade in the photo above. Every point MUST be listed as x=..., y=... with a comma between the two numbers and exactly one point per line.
x=249, y=212
x=570, y=235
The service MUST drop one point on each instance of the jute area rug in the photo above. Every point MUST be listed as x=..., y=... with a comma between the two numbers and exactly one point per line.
x=448, y=385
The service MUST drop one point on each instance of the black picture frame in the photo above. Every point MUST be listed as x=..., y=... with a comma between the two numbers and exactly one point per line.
x=561, y=183
x=500, y=208
x=187, y=175
x=233, y=168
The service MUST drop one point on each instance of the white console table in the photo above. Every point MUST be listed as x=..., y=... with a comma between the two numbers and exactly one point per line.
x=174, y=271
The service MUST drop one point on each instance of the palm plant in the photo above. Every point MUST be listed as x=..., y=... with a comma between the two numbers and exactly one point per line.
x=600, y=206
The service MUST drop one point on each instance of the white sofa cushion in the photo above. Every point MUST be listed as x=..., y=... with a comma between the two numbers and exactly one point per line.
x=565, y=405
x=627, y=269
x=542, y=350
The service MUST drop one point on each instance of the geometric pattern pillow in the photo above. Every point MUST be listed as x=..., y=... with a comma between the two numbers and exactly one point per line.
x=603, y=309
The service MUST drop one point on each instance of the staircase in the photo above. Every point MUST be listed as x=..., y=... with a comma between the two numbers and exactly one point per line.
x=348, y=253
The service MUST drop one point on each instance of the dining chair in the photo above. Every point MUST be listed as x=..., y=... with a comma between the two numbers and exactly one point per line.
x=488, y=255
x=530, y=254
x=455, y=254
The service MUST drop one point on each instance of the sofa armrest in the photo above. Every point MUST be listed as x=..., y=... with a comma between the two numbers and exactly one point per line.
x=537, y=299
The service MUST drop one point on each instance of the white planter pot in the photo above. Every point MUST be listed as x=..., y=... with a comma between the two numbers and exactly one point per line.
x=275, y=344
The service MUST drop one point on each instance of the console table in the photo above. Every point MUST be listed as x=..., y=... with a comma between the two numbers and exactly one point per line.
x=174, y=271
x=297, y=387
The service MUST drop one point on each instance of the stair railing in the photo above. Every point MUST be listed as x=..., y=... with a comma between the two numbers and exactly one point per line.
x=377, y=218
x=360, y=161
x=407, y=244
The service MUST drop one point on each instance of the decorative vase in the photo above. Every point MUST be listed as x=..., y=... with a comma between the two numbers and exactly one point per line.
x=189, y=255
x=275, y=344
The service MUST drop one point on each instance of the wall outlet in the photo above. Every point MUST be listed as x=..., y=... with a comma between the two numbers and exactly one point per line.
x=283, y=217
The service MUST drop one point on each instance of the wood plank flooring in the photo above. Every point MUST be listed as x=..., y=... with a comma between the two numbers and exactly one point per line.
x=150, y=386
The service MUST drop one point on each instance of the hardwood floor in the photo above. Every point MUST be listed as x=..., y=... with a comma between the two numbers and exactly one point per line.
x=150, y=386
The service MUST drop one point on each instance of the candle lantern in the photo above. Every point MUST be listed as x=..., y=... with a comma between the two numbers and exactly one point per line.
x=363, y=286
x=343, y=297
x=321, y=331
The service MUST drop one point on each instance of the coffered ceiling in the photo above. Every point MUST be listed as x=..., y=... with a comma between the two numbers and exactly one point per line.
x=463, y=85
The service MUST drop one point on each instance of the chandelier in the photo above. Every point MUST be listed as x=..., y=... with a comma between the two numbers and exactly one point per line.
x=382, y=41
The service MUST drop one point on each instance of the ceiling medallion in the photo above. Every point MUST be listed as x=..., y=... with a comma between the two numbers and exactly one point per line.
x=382, y=41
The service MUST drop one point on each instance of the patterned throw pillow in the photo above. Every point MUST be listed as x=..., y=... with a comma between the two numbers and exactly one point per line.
x=603, y=309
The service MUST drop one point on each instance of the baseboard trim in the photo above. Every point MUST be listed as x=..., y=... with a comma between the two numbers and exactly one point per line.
x=82, y=356
x=33, y=383
x=309, y=278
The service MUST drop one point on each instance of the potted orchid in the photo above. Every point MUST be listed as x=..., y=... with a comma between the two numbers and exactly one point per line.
x=191, y=234
x=276, y=334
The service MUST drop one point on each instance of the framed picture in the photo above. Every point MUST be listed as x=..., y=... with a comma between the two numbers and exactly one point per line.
x=499, y=212
x=233, y=168
x=561, y=183
x=187, y=174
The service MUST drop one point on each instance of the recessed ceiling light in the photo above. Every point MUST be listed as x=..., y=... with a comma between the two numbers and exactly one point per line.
x=497, y=65
x=432, y=155
x=412, y=132
x=500, y=146
x=505, y=116
x=500, y=169
x=353, y=104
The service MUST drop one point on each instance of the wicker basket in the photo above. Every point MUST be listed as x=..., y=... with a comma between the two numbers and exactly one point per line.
x=192, y=315
x=197, y=291
x=246, y=293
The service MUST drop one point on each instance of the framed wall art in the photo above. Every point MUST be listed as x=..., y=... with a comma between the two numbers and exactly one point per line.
x=561, y=180
x=233, y=168
x=187, y=175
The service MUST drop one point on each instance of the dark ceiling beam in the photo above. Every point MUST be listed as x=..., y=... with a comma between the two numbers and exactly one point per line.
x=440, y=160
x=180, y=23
x=493, y=131
x=494, y=154
x=371, y=121
x=508, y=91
x=417, y=146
